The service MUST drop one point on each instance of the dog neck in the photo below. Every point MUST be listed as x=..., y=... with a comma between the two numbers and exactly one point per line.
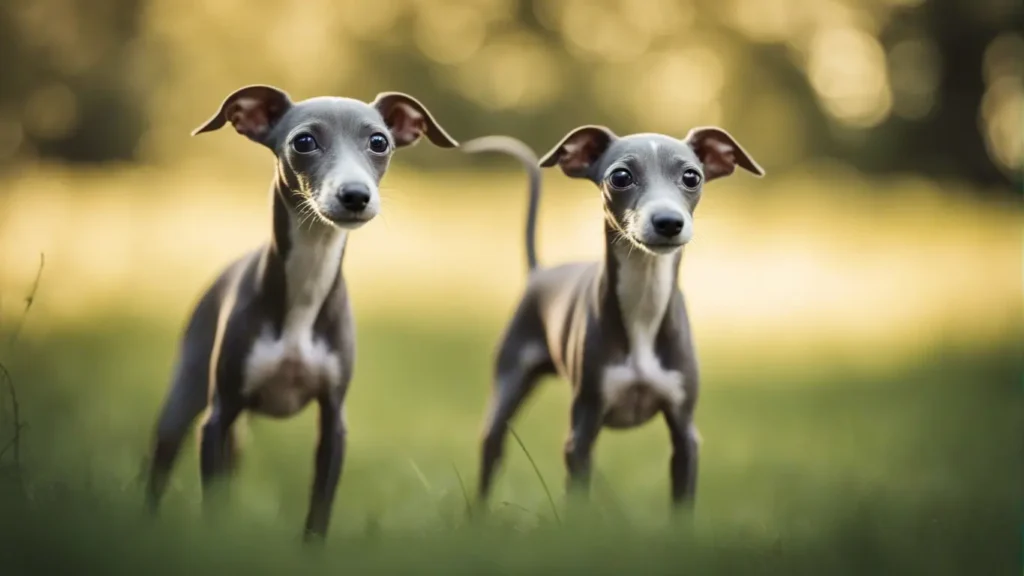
x=639, y=285
x=302, y=263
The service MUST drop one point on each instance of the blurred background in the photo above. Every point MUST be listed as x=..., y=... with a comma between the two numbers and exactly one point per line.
x=857, y=311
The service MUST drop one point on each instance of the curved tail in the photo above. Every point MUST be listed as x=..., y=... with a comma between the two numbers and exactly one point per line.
x=520, y=151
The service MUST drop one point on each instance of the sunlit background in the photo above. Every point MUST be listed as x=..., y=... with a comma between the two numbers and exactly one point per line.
x=866, y=293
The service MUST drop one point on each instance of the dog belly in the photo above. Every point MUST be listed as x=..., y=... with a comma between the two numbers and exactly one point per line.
x=634, y=392
x=281, y=380
x=285, y=391
x=632, y=407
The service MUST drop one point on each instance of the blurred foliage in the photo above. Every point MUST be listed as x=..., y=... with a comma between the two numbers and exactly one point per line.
x=67, y=90
x=888, y=86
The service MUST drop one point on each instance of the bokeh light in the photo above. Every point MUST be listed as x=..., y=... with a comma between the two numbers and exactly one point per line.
x=847, y=69
x=450, y=34
x=768, y=20
x=512, y=72
x=678, y=89
x=1001, y=117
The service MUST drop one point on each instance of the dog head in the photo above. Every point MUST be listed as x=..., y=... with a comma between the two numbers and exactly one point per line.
x=331, y=152
x=651, y=183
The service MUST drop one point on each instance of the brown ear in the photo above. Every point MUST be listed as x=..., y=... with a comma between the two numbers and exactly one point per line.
x=408, y=120
x=579, y=150
x=720, y=153
x=252, y=110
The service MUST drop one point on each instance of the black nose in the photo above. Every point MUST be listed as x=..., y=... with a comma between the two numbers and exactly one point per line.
x=667, y=225
x=355, y=197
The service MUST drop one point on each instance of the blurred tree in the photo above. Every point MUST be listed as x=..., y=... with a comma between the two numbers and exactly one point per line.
x=67, y=91
x=933, y=53
x=886, y=86
x=948, y=141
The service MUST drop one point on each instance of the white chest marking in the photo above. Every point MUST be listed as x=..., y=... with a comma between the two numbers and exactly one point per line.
x=296, y=364
x=645, y=285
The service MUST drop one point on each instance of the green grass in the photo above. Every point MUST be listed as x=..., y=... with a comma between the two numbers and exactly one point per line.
x=916, y=473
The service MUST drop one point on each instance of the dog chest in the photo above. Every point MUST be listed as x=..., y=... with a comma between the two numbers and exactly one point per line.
x=283, y=374
x=637, y=389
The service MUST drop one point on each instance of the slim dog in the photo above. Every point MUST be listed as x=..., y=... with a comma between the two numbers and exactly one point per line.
x=275, y=332
x=617, y=330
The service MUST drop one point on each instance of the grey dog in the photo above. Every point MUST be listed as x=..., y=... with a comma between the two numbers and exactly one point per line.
x=275, y=332
x=618, y=330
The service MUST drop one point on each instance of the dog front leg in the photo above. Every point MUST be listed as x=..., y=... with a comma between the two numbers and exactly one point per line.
x=683, y=466
x=585, y=425
x=215, y=449
x=330, y=456
x=186, y=401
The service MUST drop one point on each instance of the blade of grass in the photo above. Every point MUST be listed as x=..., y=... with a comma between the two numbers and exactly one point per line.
x=421, y=476
x=5, y=378
x=551, y=500
x=465, y=494
x=29, y=300
x=520, y=507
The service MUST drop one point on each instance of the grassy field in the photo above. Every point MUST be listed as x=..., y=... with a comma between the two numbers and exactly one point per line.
x=915, y=473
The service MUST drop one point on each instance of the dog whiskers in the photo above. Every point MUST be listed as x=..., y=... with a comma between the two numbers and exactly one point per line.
x=307, y=212
x=621, y=234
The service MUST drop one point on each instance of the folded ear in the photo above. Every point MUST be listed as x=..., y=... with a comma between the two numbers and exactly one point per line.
x=408, y=120
x=578, y=151
x=252, y=110
x=720, y=153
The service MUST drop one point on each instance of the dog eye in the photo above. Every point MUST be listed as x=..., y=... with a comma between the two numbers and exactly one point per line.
x=378, y=143
x=691, y=179
x=620, y=179
x=304, y=144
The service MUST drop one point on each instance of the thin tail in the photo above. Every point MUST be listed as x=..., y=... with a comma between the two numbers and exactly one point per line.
x=520, y=151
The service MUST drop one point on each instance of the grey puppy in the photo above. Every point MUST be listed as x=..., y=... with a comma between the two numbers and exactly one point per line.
x=618, y=329
x=275, y=332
